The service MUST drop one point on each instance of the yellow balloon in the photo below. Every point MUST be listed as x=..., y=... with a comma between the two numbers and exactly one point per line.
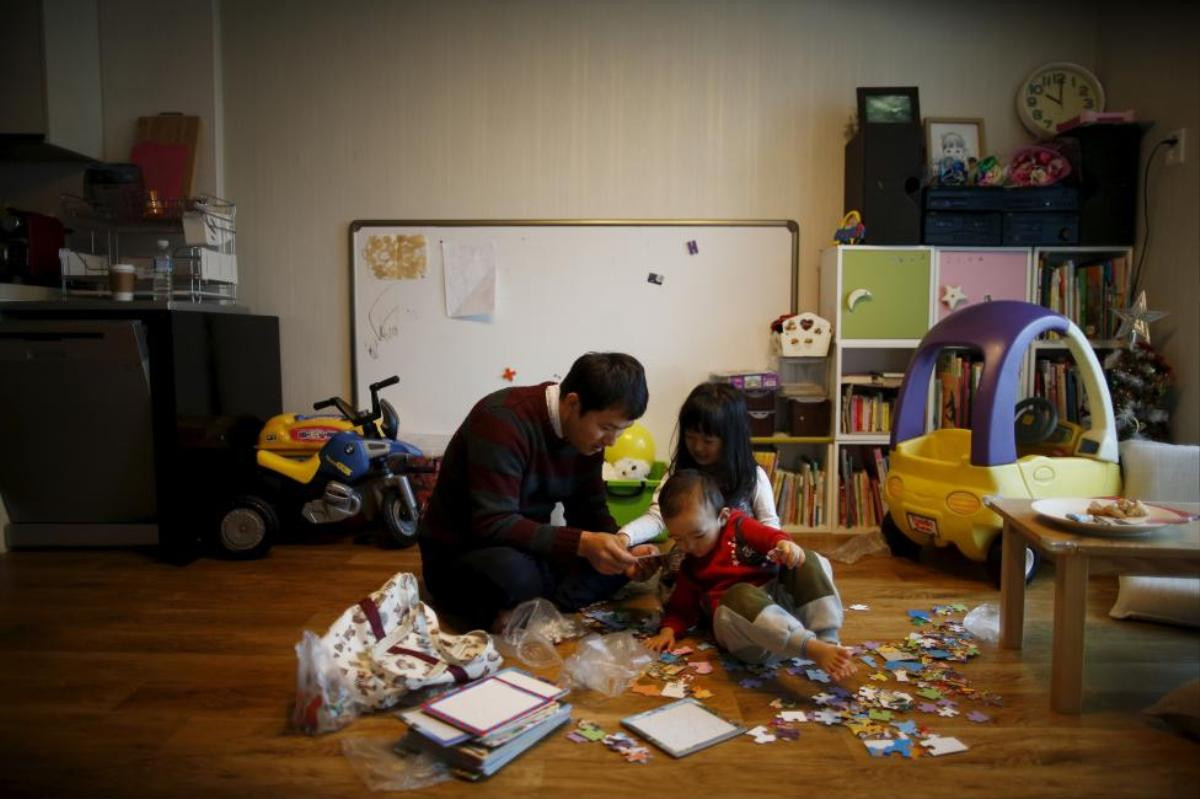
x=636, y=443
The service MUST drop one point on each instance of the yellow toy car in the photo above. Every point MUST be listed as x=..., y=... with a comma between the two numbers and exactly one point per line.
x=937, y=480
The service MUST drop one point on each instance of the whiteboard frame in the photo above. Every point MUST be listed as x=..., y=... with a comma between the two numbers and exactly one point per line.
x=358, y=224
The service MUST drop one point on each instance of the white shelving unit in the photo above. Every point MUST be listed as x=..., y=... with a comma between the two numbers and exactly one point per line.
x=881, y=301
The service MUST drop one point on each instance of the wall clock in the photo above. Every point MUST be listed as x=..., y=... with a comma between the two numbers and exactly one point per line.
x=1055, y=93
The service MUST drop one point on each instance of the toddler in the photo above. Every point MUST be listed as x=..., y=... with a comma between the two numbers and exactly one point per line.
x=765, y=595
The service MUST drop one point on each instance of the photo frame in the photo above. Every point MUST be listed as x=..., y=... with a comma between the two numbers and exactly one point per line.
x=888, y=105
x=949, y=140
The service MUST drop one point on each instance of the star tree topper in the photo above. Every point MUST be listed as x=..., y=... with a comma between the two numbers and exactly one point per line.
x=1136, y=319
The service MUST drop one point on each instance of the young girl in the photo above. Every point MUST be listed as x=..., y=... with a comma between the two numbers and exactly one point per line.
x=714, y=437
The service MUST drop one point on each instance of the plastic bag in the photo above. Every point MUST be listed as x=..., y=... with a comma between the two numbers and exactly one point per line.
x=379, y=649
x=384, y=767
x=324, y=701
x=860, y=546
x=983, y=622
x=607, y=663
x=532, y=631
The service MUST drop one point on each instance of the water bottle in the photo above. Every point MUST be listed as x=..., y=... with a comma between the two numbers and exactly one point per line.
x=163, y=269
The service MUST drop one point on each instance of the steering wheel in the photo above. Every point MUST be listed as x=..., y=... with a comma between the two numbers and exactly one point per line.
x=1036, y=420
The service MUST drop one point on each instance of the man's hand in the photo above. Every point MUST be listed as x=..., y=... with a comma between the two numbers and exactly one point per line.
x=649, y=562
x=787, y=553
x=664, y=640
x=606, y=552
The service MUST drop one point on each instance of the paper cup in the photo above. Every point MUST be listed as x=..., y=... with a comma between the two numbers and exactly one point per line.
x=121, y=278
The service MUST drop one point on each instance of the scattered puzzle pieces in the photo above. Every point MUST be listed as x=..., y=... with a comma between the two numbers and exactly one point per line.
x=937, y=745
x=761, y=735
x=817, y=675
x=675, y=690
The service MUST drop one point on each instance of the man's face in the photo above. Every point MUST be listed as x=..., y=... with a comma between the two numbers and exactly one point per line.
x=695, y=528
x=591, y=432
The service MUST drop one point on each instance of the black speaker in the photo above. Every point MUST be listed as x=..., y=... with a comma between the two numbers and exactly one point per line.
x=1108, y=160
x=884, y=165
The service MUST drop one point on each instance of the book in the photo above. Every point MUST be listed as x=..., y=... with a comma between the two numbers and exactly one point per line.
x=682, y=727
x=495, y=701
x=475, y=760
x=479, y=728
x=1095, y=118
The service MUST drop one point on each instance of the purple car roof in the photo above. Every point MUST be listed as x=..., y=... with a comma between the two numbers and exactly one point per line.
x=1001, y=331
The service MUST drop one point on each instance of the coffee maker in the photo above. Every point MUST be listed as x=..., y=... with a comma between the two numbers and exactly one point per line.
x=29, y=245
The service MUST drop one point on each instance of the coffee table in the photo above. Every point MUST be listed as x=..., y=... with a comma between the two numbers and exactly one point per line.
x=1169, y=551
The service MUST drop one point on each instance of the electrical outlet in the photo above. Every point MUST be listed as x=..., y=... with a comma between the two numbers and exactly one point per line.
x=1176, y=152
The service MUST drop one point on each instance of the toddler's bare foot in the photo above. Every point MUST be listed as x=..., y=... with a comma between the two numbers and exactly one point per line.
x=834, y=660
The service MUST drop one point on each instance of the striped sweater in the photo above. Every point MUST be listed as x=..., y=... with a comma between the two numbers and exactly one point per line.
x=502, y=473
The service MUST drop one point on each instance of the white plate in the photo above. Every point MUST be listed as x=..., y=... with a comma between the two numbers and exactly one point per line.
x=1060, y=511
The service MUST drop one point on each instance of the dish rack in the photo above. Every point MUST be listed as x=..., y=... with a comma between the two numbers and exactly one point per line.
x=202, y=231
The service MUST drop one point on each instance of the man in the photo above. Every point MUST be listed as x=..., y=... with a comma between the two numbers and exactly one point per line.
x=486, y=539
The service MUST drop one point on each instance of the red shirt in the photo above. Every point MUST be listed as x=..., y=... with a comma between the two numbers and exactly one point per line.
x=703, y=581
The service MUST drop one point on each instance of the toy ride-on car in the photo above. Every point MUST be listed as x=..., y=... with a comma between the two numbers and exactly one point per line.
x=354, y=467
x=937, y=480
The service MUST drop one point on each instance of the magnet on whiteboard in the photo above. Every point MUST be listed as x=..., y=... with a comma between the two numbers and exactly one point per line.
x=857, y=296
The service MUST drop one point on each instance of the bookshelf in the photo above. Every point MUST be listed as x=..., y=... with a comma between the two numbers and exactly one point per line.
x=882, y=300
x=1084, y=284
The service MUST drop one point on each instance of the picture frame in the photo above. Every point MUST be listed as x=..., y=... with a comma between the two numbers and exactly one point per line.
x=888, y=105
x=952, y=139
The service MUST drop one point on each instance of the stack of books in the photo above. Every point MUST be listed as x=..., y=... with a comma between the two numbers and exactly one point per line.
x=954, y=390
x=860, y=491
x=1085, y=293
x=800, y=494
x=482, y=727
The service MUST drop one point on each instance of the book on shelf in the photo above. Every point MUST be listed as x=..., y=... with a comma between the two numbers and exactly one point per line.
x=768, y=459
x=866, y=408
x=860, y=490
x=1086, y=292
x=800, y=494
x=957, y=381
x=1057, y=380
x=483, y=726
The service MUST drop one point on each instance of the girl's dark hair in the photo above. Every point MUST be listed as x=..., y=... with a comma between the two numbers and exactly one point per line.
x=719, y=409
x=679, y=487
x=604, y=380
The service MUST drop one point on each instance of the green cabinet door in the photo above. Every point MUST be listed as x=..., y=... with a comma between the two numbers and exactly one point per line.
x=889, y=290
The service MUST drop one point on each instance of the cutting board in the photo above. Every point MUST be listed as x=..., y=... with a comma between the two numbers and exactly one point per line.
x=172, y=136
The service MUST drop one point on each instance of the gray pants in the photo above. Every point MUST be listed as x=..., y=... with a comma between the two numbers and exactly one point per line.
x=757, y=623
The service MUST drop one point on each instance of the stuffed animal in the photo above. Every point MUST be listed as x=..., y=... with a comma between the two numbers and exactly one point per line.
x=626, y=469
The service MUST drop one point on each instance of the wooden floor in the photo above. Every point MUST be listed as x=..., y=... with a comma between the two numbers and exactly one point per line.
x=124, y=676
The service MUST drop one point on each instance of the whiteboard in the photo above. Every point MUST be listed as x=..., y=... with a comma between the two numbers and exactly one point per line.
x=563, y=288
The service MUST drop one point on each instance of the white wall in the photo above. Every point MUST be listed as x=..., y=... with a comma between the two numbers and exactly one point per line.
x=1151, y=62
x=575, y=109
x=159, y=57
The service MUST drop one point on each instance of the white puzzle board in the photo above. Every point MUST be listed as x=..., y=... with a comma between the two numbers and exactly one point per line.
x=561, y=288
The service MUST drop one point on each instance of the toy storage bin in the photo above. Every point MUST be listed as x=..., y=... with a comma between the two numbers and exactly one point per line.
x=629, y=499
x=762, y=423
x=747, y=380
x=808, y=417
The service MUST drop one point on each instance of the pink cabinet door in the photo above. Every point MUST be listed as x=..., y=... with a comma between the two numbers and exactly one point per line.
x=979, y=274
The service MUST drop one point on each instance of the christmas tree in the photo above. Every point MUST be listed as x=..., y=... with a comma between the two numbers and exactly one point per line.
x=1140, y=381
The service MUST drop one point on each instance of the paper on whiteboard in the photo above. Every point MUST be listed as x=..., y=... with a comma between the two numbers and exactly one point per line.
x=470, y=274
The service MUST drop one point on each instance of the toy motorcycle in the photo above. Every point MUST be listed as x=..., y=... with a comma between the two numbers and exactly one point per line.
x=360, y=469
